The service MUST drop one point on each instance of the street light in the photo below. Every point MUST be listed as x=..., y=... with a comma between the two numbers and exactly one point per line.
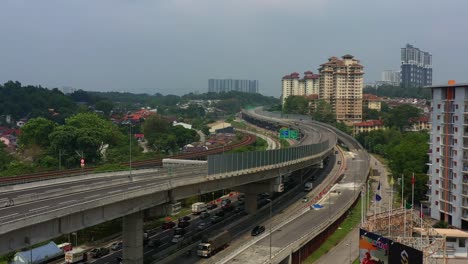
x=130, y=143
x=271, y=222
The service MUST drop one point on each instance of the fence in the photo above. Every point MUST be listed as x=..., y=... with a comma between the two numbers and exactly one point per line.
x=247, y=160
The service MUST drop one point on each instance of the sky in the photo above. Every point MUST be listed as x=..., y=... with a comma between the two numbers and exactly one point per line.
x=175, y=46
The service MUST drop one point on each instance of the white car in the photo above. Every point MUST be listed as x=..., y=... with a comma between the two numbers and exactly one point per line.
x=177, y=238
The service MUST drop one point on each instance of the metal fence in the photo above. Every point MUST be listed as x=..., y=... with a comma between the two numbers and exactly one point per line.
x=224, y=163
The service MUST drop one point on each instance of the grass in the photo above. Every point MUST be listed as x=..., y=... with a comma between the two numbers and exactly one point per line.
x=284, y=143
x=351, y=222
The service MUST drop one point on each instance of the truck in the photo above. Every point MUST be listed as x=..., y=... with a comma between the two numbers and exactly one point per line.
x=210, y=245
x=308, y=186
x=198, y=208
x=76, y=255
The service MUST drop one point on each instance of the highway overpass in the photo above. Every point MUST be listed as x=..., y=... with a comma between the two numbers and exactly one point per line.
x=36, y=212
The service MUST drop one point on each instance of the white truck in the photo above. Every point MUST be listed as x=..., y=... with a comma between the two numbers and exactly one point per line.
x=210, y=245
x=308, y=186
x=198, y=208
x=76, y=255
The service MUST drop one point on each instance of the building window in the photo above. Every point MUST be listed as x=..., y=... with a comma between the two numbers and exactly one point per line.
x=461, y=242
x=438, y=128
x=438, y=117
x=437, y=170
x=437, y=192
x=438, y=106
x=436, y=202
x=438, y=139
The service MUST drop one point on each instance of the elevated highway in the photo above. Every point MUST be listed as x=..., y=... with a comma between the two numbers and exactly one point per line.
x=51, y=209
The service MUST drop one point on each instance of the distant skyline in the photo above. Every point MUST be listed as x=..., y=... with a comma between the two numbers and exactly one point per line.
x=174, y=47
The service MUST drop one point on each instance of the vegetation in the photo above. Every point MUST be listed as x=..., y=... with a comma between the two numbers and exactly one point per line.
x=296, y=105
x=399, y=91
x=351, y=222
x=34, y=101
x=406, y=153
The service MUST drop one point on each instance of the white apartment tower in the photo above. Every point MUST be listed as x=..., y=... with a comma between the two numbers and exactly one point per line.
x=292, y=85
x=341, y=83
x=448, y=154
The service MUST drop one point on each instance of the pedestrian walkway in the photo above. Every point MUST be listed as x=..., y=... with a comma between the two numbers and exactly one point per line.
x=348, y=249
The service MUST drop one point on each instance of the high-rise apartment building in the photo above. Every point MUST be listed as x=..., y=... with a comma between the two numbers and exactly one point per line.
x=448, y=154
x=227, y=85
x=416, y=67
x=341, y=83
x=390, y=77
x=292, y=85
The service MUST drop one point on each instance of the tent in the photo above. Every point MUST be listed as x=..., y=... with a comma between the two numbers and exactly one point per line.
x=39, y=255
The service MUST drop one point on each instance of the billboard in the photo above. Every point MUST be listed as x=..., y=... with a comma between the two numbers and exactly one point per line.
x=401, y=254
x=373, y=249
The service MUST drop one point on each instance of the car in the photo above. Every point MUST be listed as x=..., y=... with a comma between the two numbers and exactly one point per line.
x=183, y=224
x=205, y=215
x=202, y=226
x=154, y=243
x=177, y=238
x=185, y=218
x=220, y=213
x=225, y=202
x=99, y=252
x=305, y=199
x=258, y=230
x=216, y=219
x=336, y=151
x=241, y=202
x=168, y=225
x=339, y=162
x=119, y=260
x=211, y=206
x=116, y=246
x=179, y=231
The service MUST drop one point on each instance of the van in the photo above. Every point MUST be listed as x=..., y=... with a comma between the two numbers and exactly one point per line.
x=308, y=186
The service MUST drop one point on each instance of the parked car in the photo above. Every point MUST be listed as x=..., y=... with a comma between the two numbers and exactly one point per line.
x=225, y=202
x=119, y=260
x=99, y=252
x=202, y=226
x=241, y=202
x=116, y=246
x=168, y=225
x=305, y=199
x=205, y=215
x=258, y=230
x=339, y=162
x=212, y=206
x=177, y=238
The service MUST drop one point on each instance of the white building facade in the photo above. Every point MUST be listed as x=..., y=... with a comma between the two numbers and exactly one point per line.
x=448, y=155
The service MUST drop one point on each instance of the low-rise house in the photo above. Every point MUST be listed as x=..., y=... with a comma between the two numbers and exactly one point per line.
x=367, y=126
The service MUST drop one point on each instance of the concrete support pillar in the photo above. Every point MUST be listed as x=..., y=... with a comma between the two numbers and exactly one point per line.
x=133, y=238
x=251, y=203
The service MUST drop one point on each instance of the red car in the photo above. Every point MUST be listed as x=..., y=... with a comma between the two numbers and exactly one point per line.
x=168, y=225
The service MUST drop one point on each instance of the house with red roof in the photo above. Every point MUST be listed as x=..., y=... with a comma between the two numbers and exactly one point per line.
x=367, y=126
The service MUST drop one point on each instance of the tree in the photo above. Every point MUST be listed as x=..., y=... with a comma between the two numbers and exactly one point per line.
x=105, y=106
x=296, y=105
x=400, y=116
x=370, y=114
x=5, y=158
x=36, y=132
x=323, y=112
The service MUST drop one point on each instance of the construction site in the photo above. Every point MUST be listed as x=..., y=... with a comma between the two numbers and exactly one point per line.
x=418, y=241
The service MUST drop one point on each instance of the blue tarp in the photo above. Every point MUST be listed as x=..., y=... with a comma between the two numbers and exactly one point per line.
x=316, y=206
x=39, y=254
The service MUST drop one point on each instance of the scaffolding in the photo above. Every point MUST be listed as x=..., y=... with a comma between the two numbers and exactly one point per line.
x=406, y=226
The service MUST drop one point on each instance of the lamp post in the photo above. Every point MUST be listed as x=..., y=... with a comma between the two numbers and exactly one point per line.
x=271, y=223
x=130, y=143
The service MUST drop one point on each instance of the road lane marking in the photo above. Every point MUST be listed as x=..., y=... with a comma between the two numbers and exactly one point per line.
x=95, y=195
x=39, y=208
x=10, y=215
x=71, y=201
x=134, y=187
x=116, y=191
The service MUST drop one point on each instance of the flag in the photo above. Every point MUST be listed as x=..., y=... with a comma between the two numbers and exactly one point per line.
x=378, y=198
x=408, y=205
x=412, y=180
x=378, y=187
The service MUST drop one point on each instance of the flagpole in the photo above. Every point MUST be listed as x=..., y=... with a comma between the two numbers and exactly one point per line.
x=404, y=226
x=412, y=192
x=421, y=222
x=402, y=186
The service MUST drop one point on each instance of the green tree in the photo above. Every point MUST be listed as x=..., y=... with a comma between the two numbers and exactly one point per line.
x=105, y=106
x=323, y=112
x=36, y=132
x=400, y=116
x=296, y=105
x=5, y=158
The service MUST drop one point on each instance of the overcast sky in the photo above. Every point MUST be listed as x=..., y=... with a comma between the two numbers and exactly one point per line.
x=175, y=46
